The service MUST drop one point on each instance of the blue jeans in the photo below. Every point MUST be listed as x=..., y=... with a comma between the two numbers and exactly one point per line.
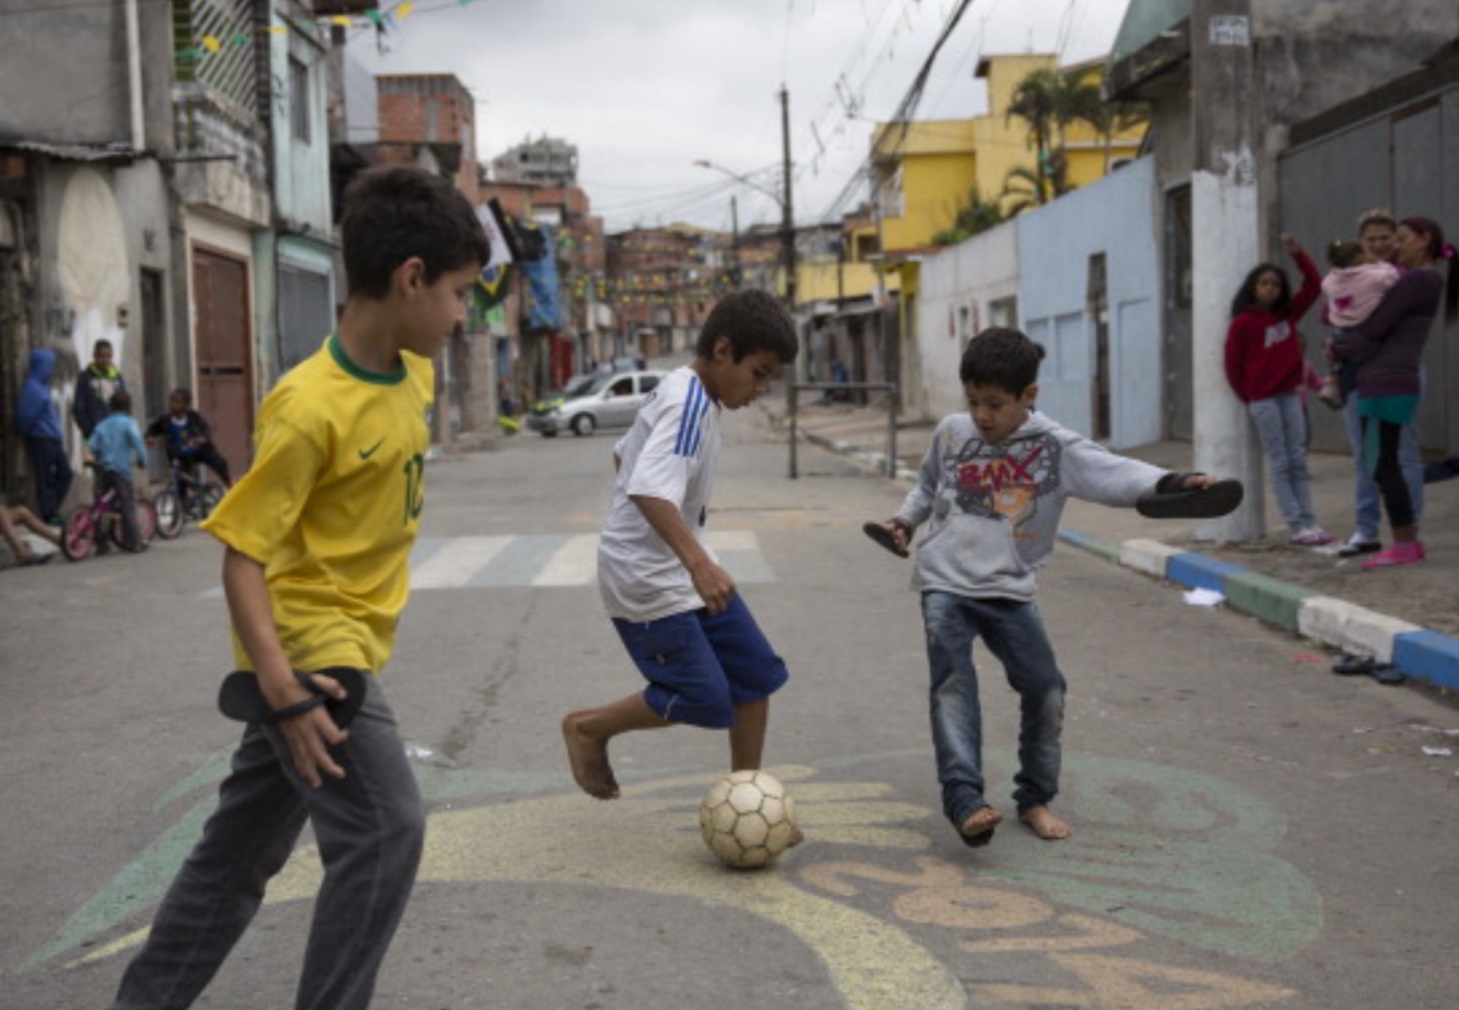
x=1014, y=633
x=370, y=829
x=1283, y=433
x=1366, y=497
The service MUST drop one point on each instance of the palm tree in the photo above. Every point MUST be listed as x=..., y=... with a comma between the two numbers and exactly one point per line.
x=1048, y=101
x=976, y=216
x=1037, y=101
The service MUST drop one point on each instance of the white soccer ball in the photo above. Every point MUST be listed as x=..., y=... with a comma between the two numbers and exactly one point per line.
x=747, y=819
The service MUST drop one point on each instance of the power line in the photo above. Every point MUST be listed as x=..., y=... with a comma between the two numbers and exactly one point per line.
x=905, y=108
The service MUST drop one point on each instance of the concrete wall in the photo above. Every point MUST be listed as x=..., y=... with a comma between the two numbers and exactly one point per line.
x=1116, y=217
x=958, y=287
x=301, y=173
x=1398, y=149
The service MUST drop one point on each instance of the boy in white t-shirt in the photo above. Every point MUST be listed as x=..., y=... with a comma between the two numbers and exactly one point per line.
x=687, y=629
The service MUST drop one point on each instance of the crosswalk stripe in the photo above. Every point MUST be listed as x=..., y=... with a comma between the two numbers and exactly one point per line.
x=546, y=560
x=454, y=562
x=575, y=563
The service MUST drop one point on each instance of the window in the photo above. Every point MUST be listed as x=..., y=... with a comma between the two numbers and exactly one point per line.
x=646, y=383
x=1003, y=312
x=299, y=99
x=623, y=387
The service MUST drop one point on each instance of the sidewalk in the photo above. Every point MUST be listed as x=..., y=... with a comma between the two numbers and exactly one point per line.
x=1407, y=616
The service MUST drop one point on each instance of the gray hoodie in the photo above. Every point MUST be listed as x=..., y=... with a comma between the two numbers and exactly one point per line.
x=992, y=510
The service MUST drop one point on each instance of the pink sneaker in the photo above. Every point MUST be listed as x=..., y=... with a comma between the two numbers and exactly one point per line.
x=1403, y=552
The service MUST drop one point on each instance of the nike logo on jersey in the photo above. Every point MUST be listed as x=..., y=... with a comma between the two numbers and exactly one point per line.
x=367, y=453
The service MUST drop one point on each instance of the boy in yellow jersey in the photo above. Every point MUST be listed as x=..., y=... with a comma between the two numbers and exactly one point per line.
x=317, y=538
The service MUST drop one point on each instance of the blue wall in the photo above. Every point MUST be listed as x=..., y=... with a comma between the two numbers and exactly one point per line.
x=1114, y=216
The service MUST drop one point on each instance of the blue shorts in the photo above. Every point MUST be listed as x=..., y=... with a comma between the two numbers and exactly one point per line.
x=700, y=665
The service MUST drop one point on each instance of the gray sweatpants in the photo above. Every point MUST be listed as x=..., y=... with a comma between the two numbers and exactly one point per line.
x=370, y=828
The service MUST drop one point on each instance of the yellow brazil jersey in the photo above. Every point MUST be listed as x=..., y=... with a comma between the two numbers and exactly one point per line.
x=332, y=504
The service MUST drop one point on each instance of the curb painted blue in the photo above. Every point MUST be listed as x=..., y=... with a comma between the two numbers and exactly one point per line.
x=1429, y=656
x=1196, y=571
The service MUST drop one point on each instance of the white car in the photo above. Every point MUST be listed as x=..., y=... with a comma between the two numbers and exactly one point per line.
x=611, y=401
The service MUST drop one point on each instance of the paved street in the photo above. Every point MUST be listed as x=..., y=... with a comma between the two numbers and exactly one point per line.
x=1251, y=831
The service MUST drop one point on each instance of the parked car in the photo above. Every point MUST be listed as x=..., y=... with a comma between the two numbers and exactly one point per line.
x=611, y=400
x=574, y=387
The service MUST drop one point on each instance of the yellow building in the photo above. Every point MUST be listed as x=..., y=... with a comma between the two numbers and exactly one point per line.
x=924, y=171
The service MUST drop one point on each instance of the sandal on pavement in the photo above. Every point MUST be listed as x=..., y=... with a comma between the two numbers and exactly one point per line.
x=1386, y=673
x=239, y=697
x=1353, y=666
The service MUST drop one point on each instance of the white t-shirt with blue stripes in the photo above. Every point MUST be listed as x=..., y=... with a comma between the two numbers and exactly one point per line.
x=669, y=453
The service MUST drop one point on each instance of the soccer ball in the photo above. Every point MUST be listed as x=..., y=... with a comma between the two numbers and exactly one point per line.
x=747, y=819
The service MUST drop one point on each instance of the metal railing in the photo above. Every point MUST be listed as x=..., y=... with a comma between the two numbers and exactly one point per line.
x=793, y=414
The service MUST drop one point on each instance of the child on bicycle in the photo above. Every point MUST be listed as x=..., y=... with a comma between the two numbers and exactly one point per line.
x=115, y=442
x=187, y=435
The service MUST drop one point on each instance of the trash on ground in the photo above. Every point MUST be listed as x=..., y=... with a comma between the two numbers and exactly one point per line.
x=1439, y=752
x=1202, y=597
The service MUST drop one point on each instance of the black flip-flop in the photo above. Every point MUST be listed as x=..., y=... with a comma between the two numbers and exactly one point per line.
x=883, y=536
x=1354, y=666
x=1386, y=673
x=239, y=696
x=1218, y=499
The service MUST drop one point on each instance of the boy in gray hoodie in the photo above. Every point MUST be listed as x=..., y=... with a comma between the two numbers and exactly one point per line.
x=991, y=490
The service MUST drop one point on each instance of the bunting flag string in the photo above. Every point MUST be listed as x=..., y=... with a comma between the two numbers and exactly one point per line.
x=375, y=19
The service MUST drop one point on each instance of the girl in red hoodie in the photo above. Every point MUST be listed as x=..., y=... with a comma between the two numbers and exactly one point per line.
x=1264, y=362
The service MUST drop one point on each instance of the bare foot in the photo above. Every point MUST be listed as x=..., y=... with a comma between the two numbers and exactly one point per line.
x=796, y=837
x=588, y=757
x=1042, y=821
x=977, y=829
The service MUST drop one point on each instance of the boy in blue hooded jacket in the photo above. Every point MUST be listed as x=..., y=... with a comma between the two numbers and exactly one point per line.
x=39, y=423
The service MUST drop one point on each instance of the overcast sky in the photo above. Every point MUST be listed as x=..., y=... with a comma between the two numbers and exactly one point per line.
x=644, y=88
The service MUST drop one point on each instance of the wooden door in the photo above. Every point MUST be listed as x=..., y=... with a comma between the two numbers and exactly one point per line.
x=224, y=391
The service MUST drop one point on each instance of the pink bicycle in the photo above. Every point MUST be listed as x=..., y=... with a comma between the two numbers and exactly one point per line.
x=88, y=524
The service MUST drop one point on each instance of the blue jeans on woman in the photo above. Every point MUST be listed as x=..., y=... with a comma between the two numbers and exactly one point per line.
x=1283, y=433
x=1014, y=633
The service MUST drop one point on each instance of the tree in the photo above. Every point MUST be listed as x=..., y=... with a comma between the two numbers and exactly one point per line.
x=1048, y=101
x=976, y=216
x=1037, y=100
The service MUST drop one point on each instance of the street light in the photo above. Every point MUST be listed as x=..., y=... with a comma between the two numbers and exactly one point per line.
x=783, y=198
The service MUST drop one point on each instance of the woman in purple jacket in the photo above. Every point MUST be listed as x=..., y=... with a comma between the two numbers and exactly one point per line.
x=1387, y=348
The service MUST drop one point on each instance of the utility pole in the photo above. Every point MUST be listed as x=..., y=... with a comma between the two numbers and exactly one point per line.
x=787, y=213
x=1225, y=244
x=735, y=274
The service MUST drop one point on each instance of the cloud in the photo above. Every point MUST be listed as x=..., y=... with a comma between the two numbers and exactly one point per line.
x=643, y=88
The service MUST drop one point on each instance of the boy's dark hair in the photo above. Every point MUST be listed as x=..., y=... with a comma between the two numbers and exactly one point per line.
x=120, y=402
x=184, y=394
x=103, y=342
x=1246, y=295
x=753, y=321
x=1001, y=357
x=1343, y=253
x=392, y=214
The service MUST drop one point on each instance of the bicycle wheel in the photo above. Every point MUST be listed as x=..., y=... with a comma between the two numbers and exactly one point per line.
x=208, y=498
x=146, y=521
x=170, y=518
x=146, y=518
x=78, y=536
